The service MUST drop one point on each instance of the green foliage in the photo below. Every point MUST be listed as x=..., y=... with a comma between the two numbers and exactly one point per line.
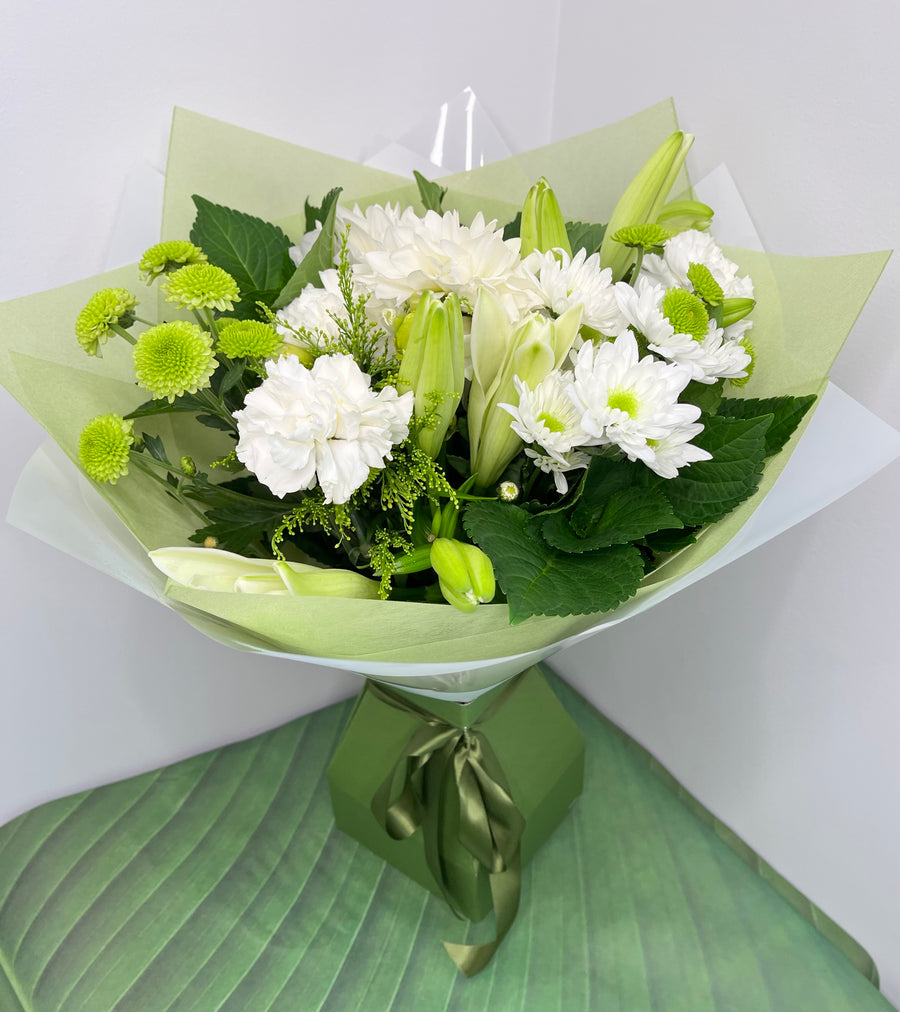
x=243, y=528
x=411, y=475
x=537, y=578
x=316, y=215
x=254, y=252
x=583, y=235
x=319, y=258
x=787, y=413
x=513, y=229
x=432, y=194
x=707, y=396
x=381, y=556
x=627, y=515
x=709, y=489
x=313, y=513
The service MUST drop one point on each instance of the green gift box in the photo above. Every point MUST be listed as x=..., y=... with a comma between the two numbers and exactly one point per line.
x=534, y=746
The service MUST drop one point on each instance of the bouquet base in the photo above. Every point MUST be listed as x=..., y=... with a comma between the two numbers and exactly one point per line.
x=539, y=750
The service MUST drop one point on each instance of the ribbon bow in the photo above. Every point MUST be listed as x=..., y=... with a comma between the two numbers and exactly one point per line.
x=453, y=785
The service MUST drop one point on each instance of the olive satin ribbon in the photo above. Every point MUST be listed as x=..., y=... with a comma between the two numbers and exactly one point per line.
x=452, y=772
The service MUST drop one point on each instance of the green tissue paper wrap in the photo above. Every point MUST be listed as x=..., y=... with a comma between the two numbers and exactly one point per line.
x=805, y=309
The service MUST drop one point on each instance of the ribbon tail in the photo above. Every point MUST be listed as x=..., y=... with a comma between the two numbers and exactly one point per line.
x=505, y=890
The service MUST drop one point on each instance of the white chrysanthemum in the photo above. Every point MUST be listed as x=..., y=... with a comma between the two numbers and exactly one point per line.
x=708, y=358
x=439, y=254
x=627, y=401
x=302, y=427
x=693, y=247
x=574, y=460
x=367, y=229
x=568, y=281
x=298, y=252
x=547, y=416
x=676, y=451
x=313, y=309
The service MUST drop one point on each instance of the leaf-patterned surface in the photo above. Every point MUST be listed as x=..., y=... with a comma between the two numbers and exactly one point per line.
x=220, y=883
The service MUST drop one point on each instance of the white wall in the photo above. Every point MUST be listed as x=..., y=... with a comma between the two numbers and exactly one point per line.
x=772, y=688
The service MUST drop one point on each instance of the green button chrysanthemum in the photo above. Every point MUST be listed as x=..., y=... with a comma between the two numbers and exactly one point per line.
x=686, y=313
x=248, y=339
x=705, y=285
x=171, y=359
x=104, y=447
x=202, y=286
x=106, y=309
x=648, y=236
x=165, y=257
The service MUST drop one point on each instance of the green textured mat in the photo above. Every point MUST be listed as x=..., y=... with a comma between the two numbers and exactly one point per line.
x=221, y=883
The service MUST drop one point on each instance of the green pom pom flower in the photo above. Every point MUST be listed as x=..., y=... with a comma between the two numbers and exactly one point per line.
x=165, y=257
x=705, y=285
x=171, y=359
x=107, y=309
x=202, y=286
x=104, y=447
x=648, y=236
x=686, y=313
x=248, y=339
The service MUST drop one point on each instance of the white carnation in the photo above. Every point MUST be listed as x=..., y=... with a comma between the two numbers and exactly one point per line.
x=314, y=309
x=325, y=425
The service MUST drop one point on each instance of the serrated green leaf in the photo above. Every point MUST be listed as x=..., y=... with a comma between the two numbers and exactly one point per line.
x=319, y=258
x=253, y=251
x=583, y=235
x=238, y=528
x=603, y=478
x=540, y=580
x=627, y=515
x=787, y=414
x=317, y=215
x=431, y=193
x=709, y=489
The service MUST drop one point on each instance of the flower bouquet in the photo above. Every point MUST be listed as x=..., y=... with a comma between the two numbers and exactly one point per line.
x=431, y=431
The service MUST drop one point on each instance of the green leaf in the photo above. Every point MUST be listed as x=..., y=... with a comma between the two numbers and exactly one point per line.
x=707, y=396
x=239, y=528
x=709, y=489
x=627, y=515
x=513, y=229
x=319, y=258
x=603, y=478
x=317, y=215
x=664, y=542
x=787, y=414
x=583, y=235
x=539, y=579
x=253, y=251
x=216, y=422
x=432, y=194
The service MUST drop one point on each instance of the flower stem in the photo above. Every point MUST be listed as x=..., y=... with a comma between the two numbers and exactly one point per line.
x=142, y=460
x=122, y=332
